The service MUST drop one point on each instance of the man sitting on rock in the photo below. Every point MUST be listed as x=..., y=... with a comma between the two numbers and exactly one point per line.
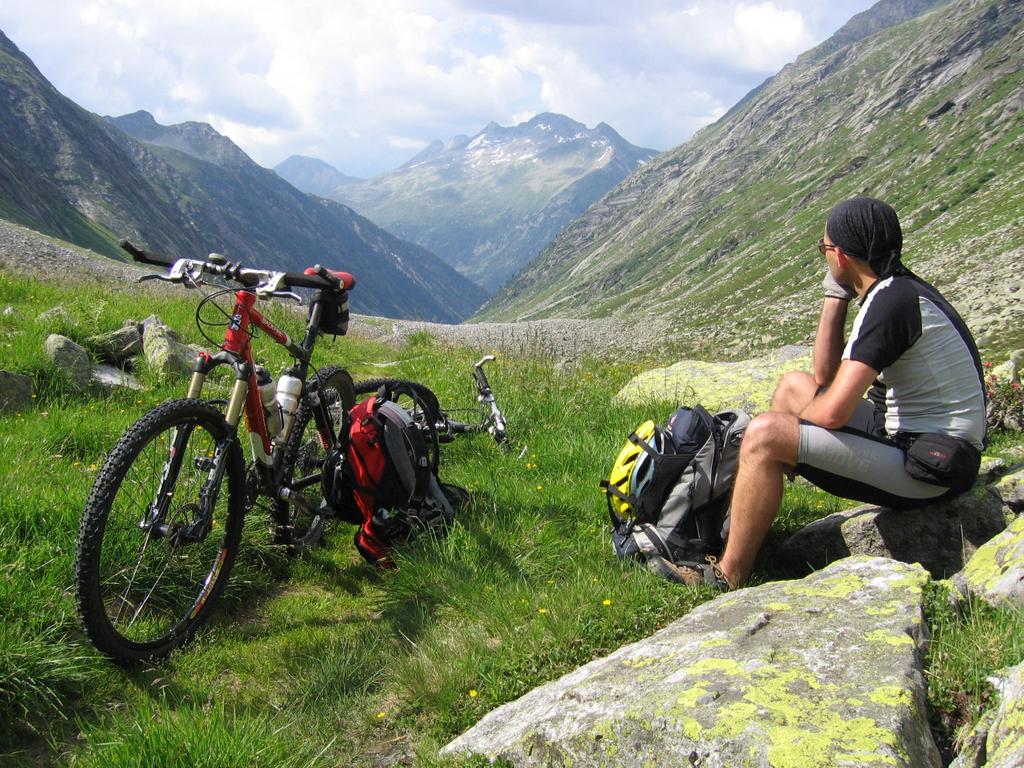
x=914, y=352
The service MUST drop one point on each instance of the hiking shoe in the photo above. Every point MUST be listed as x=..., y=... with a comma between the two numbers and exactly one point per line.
x=691, y=574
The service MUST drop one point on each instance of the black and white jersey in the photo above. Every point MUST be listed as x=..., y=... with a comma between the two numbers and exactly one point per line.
x=930, y=370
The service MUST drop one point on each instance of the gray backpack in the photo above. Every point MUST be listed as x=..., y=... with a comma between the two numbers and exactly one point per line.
x=678, y=505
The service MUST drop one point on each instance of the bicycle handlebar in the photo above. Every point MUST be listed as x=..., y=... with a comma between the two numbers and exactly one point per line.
x=244, y=275
x=146, y=257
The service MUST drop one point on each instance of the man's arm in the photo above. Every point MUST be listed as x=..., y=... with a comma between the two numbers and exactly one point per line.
x=828, y=343
x=833, y=408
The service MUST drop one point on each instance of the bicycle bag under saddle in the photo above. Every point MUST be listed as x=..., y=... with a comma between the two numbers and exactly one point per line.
x=334, y=312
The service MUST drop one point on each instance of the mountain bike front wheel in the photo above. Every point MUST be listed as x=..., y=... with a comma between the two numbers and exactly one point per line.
x=160, y=531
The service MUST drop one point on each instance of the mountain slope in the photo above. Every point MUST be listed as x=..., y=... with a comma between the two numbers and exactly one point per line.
x=716, y=238
x=188, y=190
x=490, y=203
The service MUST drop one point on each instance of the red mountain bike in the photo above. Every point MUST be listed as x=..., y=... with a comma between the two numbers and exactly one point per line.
x=163, y=523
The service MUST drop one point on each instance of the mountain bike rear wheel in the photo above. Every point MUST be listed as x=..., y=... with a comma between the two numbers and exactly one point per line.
x=160, y=531
x=418, y=400
x=318, y=429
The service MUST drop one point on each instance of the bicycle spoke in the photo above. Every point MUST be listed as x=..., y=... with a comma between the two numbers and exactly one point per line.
x=131, y=581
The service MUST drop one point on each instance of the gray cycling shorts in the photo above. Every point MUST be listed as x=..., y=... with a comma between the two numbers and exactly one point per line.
x=859, y=462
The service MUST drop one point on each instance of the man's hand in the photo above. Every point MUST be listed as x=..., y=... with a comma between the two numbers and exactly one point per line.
x=836, y=290
x=833, y=408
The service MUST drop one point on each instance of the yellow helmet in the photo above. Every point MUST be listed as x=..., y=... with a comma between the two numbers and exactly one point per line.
x=632, y=470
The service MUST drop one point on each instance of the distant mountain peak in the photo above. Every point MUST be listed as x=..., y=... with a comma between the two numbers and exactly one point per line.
x=489, y=203
x=199, y=140
x=312, y=175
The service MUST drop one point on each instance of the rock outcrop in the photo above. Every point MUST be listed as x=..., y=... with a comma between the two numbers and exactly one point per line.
x=748, y=384
x=942, y=537
x=825, y=671
x=996, y=572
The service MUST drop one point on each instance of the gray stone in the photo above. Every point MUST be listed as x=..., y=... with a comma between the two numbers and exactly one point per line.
x=1004, y=746
x=56, y=316
x=824, y=671
x=165, y=355
x=16, y=391
x=155, y=321
x=71, y=360
x=111, y=377
x=941, y=537
x=996, y=571
x=117, y=346
x=1011, y=489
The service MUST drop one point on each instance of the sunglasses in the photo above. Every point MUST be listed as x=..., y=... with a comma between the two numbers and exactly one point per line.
x=823, y=246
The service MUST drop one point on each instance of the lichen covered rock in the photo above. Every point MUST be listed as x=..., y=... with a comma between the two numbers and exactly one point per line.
x=819, y=672
x=166, y=355
x=941, y=537
x=996, y=571
x=1005, y=741
x=1010, y=488
x=748, y=384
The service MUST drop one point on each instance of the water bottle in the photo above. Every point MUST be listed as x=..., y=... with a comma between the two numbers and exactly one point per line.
x=268, y=395
x=288, y=390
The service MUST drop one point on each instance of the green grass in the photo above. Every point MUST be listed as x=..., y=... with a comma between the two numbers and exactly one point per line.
x=325, y=659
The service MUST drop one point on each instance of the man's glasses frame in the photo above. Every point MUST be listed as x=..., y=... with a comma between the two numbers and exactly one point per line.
x=823, y=246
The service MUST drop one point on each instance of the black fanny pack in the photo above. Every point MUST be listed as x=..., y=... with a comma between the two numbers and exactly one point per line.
x=941, y=460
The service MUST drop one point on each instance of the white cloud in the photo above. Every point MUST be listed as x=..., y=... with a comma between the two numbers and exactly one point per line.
x=363, y=83
x=766, y=34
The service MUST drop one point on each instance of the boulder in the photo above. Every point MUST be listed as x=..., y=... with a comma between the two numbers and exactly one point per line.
x=748, y=384
x=941, y=536
x=117, y=346
x=16, y=391
x=996, y=571
x=165, y=355
x=71, y=361
x=825, y=671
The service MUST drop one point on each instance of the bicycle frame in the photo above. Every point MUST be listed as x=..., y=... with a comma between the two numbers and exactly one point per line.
x=245, y=394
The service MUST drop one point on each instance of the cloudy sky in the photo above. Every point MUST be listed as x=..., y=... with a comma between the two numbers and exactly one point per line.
x=364, y=84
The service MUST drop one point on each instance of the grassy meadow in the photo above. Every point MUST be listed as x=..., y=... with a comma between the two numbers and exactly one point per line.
x=324, y=659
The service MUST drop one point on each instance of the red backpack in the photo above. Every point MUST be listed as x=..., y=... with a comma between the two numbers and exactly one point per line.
x=390, y=487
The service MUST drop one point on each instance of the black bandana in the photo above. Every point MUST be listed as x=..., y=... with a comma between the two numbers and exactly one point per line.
x=868, y=229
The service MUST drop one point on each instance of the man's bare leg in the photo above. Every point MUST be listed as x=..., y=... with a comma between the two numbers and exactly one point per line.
x=770, y=447
x=795, y=391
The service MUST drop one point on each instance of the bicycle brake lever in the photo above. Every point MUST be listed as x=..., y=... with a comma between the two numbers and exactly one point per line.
x=287, y=295
x=272, y=286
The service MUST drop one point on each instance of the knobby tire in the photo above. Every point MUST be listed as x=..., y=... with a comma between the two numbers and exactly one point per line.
x=142, y=592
